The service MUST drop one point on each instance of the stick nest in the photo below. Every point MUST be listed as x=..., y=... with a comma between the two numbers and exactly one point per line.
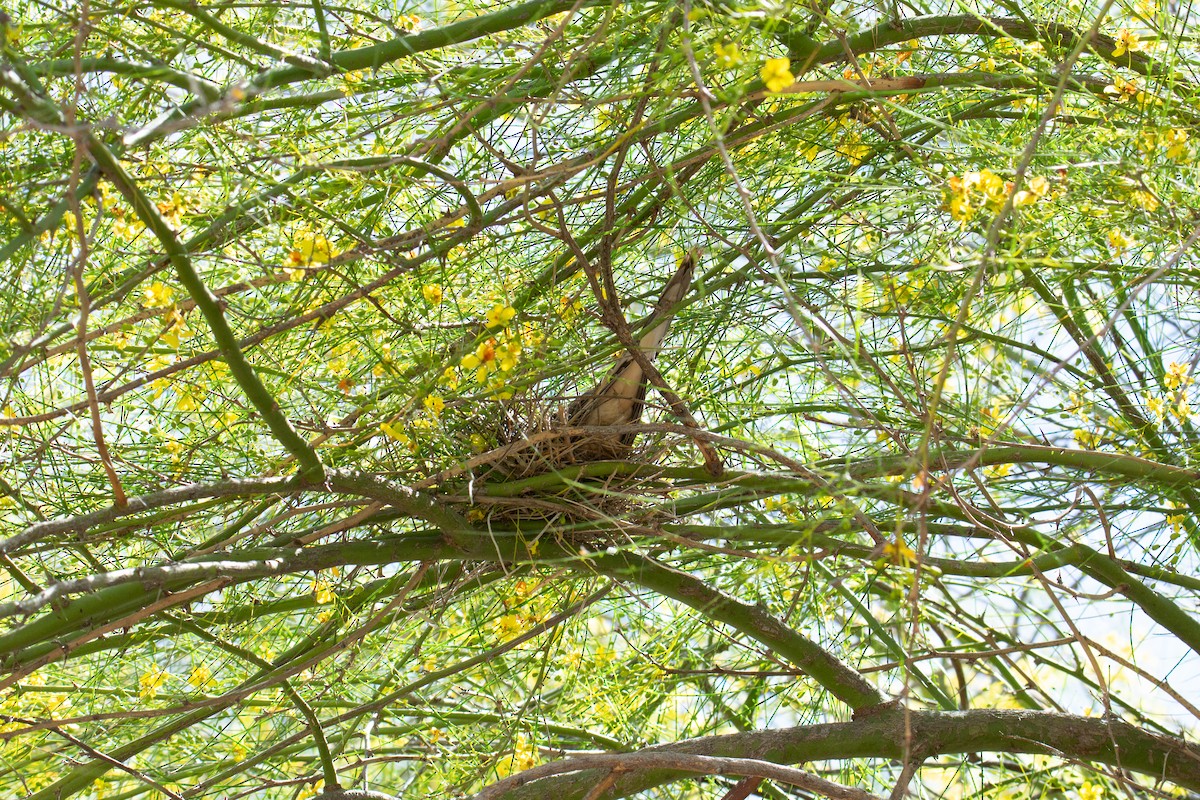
x=534, y=431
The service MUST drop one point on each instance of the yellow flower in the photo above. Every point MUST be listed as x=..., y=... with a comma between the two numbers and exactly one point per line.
x=322, y=591
x=1090, y=791
x=899, y=553
x=1177, y=376
x=728, y=55
x=1144, y=200
x=432, y=293
x=960, y=208
x=201, y=676
x=1182, y=409
x=828, y=264
x=1123, y=90
x=500, y=389
x=776, y=74
x=1118, y=242
x=157, y=295
x=910, y=47
x=1035, y=189
x=507, y=626
x=150, y=682
x=1176, y=143
x=127, y=225
x=853, y=148
x=1156, y=406
x=172, y=210
x=508, y=354
x=396, y=435
x=311, y=247
x=1127, y=42
x=184, y=401
x=977, y=189
x=483, y=360
x=569, y=307
x=176, y=328
x=351, y=80
x=524, y=756
x=500, y=315
x=434, y=404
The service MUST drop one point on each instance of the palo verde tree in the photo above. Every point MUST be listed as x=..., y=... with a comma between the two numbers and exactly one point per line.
x=300, y=298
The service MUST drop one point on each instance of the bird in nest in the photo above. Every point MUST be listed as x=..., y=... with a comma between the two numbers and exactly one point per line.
x=620, y=397
x=527, y=435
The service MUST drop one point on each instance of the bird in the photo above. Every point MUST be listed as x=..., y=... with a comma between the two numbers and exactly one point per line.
x=620, y=397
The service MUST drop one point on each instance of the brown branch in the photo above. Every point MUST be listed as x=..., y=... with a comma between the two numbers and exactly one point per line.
x=883, y=735
x=673, y=764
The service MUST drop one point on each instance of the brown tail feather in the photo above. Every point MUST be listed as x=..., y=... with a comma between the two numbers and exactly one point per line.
x=620, y=397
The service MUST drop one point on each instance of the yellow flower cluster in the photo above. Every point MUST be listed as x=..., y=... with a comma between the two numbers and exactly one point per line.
x=151, y=681
x=201, y=677
x=309, y=247
x=985, y=189
x=432, y=292
x=173, y=210
x=322, y=591
x=1123, y=90
x=899, y=553
x=500, y=315
x=397, y=435
x=1178, y=376
x=495, y=356
x=1176, y=402
x=1173, y=142
x=524, y=756
x=157, y=295
x=490, y=357
x=434, y=404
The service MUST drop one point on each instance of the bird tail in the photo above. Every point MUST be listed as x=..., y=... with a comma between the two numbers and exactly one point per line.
x=664, y=310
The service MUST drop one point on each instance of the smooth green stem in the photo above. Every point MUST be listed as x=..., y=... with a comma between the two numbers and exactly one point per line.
x=148, y=72
x=322, y=29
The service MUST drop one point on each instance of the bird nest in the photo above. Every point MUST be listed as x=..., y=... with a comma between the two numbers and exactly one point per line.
x=535, y=438
x=611, y=486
